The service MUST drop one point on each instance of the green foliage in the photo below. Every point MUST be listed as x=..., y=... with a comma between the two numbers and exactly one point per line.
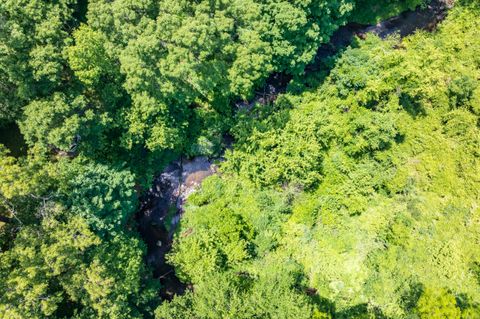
x=155, y=76
x=14, y=179
x=271, y=292
x=437, y=303
x=60, y=268
x=180, y=58
x=88, y=57
x=18, y=184
x=353, y=200
x=217, y=238
x=32, y=36
x=378, y=168
x=63, y=123
x=103, y=196
x=288, y=152
x=66, y=251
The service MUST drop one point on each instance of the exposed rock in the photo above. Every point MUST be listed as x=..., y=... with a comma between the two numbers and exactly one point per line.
x=161, y=211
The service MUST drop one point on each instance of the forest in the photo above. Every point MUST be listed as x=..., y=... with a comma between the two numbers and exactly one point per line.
x=342, y=139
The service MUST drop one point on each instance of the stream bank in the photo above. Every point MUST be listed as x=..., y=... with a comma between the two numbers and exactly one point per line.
x=162, y=206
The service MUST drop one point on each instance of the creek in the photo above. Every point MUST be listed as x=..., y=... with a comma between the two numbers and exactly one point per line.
x=160, y=213
x=162, y=206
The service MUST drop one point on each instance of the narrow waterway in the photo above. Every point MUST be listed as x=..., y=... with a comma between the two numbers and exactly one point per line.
x=424, y=18
x=162, y=206
x=161, y=210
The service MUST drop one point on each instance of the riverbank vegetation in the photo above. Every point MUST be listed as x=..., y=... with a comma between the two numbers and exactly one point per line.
x=355, y=194
x=362, y=191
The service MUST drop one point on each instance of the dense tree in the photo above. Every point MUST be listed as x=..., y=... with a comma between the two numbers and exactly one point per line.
x=437, y=303
x=61, y=268
x=354, y=195
x=88, y=57
x=23, y=184
x=379, y=167
x=105, y=197
x=56, y=123
x=32, y=37
x=66, y=249
x=271, y=292
x=203, y=62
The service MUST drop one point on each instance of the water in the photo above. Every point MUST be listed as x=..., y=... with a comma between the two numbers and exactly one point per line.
x=160, y=212
x=12, y=138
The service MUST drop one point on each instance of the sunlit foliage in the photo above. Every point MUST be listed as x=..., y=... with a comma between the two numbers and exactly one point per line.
x=378, y=168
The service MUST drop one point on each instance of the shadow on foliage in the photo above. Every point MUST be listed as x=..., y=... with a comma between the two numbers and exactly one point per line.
x=361, y=311
x=412, y=105
x=13, y=140
x=80, y=14
x=410, y=300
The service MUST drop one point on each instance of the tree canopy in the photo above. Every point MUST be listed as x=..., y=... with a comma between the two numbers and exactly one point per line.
x=353, y=194
x=368, y=183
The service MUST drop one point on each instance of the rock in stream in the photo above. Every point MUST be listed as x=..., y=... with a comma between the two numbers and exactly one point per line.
x=161, y=210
